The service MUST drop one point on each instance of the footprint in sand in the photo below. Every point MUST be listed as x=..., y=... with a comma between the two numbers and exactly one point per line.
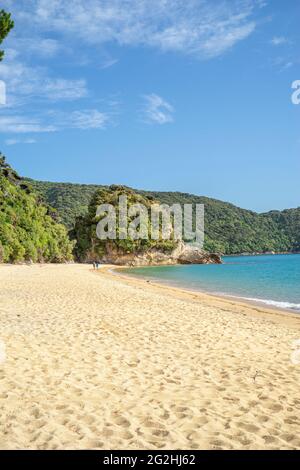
x=120, y=421
x=160, y=433
x=87, y=419
x=2, y=352
x=95, y=444
x=275, y=407
x=269, y=439
x=263, y=418
x=249, y=427
x=295, y=355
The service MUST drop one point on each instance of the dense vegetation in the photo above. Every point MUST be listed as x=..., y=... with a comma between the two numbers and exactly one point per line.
x=288, y=222
x=28, y=229
x=89, y=246
x=6, y=24
x=70, y=200
x=228, y=229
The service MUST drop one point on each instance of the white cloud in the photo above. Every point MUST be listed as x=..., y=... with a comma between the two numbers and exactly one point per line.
x=12, y=141
x=219, y=43
x=109, y=63
x=37, y=46
x=83, y=119
x=157, y=110
x=262, y=3
x=45, y=48
x=201, y=27
x=53, y=121
x=283, y=63
x=20, y=141
x=24, y=82
x=62, y=89
x=23, y=125
x=278, y=40
x=89, y=119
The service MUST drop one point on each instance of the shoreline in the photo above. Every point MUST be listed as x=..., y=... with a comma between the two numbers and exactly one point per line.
x=258, y=303
x=212, y=300
x=263, y=254
x=116, y=270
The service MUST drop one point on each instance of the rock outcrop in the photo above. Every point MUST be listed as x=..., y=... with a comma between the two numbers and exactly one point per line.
x=193, y=255
x=182, y=254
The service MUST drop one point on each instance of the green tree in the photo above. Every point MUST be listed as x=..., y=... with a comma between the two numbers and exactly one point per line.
x=89, y=246
x=6, y=24
x=28, y=230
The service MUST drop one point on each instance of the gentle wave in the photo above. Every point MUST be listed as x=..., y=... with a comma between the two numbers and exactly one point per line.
x=274, y=303
x=269, y=280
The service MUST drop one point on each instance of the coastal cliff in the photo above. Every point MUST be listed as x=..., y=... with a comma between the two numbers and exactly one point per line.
x=182, y=254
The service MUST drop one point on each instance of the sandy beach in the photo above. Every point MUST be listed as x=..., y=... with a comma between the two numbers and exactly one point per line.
x=100, y=361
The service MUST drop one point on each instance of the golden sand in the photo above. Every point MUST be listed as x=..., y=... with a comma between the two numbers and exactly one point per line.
x=95, y=360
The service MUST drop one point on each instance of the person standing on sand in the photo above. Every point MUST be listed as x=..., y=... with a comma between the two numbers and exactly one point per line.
x=94, y=264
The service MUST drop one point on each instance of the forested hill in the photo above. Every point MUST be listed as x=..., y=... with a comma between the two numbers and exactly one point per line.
x=70, y=200
x=228, y=229
x=28, y=227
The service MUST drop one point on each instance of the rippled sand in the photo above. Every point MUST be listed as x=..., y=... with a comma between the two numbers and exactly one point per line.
x=98, y=361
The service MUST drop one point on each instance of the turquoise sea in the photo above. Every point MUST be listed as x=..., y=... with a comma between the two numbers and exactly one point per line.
x=273, y=280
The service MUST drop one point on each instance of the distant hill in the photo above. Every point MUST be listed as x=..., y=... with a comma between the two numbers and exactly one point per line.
x=228, y=229
x=288, y=222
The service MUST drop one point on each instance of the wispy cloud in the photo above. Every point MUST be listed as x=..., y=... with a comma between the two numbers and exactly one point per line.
x=83, y=119
x=262, y=3
x=20, y=141
x=157, y=110
x=109, y=63
x=279, y=40
x=201, y=27
x=38, y=46
x=283, y=63
x=62, y=89
x=53, y=121
x=25, y=82
x=23, y=125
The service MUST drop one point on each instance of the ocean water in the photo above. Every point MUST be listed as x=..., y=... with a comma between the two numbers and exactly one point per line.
x=273, y=280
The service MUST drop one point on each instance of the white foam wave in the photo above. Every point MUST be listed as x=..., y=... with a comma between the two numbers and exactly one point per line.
x=273, y=303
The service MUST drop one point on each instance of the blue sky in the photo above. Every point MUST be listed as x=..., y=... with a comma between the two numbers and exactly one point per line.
x=174, y=95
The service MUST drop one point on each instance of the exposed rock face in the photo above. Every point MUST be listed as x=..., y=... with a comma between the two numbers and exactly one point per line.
x=182, y=254
x=193, y=255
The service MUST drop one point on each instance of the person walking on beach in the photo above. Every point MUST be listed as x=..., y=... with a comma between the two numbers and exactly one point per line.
x=94, y=264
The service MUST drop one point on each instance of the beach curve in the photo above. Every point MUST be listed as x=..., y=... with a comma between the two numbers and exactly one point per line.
x=95, y=360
